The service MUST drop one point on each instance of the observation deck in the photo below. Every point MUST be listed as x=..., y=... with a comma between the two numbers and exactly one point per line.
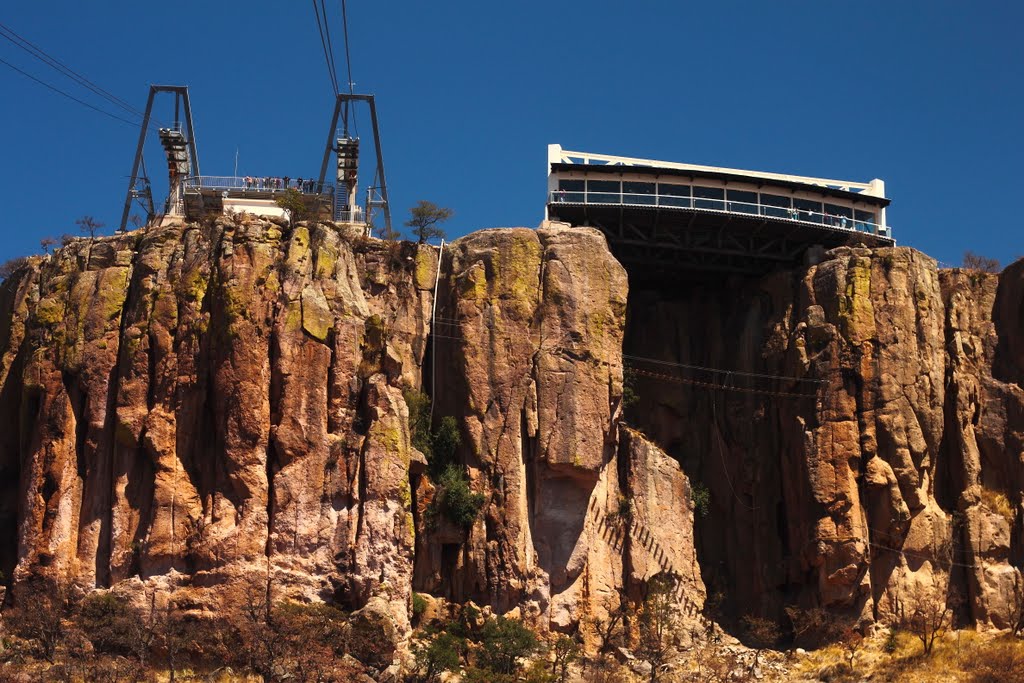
x=258, y=195
x=665, y=218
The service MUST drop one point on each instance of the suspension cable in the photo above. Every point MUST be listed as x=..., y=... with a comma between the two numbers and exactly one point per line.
x=348, y=57
x=330, y=45
x=328, y=57
x=719, y=370
x=348, y=67
x=69, y=96
x=40, y=54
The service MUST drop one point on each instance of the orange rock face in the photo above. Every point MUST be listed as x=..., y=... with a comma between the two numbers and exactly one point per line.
x=193, y=404
x=854, y=420
x=188, y=406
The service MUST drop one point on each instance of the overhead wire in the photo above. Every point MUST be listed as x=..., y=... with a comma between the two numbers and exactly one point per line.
x=348, y=58
x=330, y=45
x=454, y=322
x=328, y=56
x=68, y=95
x=348, y=67
x=451, y=322
x=40, y=54
x=740, y=373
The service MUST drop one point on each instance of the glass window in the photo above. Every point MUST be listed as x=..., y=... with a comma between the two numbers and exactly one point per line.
x=865, y=221
x=709, y=198
x=741, y=201
x=570, y=191
x=776, y=205
x=808, y=210
x=674, y=195
x=638, y=193
x=839, y=216
x=604, y=191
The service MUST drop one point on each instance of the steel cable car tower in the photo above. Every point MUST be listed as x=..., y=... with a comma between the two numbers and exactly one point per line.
x=346, y=146
x=179, y=143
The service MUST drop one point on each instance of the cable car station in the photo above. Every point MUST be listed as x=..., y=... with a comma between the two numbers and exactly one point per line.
x=665, y=218
x=193, y=196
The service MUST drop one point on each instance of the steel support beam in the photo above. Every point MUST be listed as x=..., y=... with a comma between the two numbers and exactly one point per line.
x=180, y=97
x=342, y=101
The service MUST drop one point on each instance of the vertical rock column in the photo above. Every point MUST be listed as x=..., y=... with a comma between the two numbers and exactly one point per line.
x=534, y=323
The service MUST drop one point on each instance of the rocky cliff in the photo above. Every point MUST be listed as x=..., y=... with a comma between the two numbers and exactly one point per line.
x=865, y=444
x=186, y=407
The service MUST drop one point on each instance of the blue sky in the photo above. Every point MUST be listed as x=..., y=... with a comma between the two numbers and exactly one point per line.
x=925, y=95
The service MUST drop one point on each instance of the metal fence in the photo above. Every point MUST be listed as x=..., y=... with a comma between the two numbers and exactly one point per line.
x=256, y=184
x=690, y=202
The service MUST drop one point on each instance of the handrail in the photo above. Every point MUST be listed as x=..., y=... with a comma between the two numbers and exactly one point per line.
x=270, y=184
x=691, y=203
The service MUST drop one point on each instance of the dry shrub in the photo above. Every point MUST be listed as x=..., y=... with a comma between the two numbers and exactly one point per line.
x=837, y=671
x=999, y=661
x=997, y=502
x=12, y=266
x=981, y=263
x=605, y=670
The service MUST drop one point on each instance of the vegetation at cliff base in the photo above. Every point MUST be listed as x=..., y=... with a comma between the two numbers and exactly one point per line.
x=496, y=651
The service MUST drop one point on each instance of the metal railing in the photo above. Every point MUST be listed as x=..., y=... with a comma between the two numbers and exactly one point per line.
x=354, y=216
x=837, y=222
x=255, y=184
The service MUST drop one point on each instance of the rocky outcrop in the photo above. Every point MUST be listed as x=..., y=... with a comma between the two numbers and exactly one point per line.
x=186, y=407
x=840, y=448
x=194, y=404
x=529, y=333
x=983, y=449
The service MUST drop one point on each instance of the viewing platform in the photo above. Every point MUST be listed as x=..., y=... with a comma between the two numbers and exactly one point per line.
x=258, y=195
x=672, y=218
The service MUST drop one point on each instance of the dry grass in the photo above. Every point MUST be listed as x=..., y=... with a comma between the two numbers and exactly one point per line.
x=997, y=502
x=959, y=657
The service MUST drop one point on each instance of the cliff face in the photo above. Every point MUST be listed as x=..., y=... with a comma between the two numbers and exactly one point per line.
x=866, y=447
x=189, y=406
x=195, y=404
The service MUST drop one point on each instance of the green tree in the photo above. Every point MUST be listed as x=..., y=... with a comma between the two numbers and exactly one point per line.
x=503, y=642
x=441, y=652
x=444, y=444
x=700, y=496
x=418, y=403
x=630, y=396
x=388, y=234
x=292, y=202
x=424, y=220
x=659, y=619
x=454, y=499
x=566, y=651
